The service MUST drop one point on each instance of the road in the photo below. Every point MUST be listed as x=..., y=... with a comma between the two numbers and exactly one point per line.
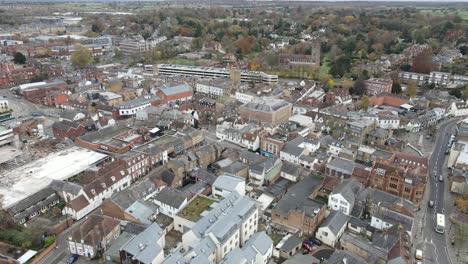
x=434, y=245
x=20, y=106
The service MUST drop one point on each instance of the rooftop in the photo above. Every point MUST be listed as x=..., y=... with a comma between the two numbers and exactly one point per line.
x=195, y=208
x=28, y=179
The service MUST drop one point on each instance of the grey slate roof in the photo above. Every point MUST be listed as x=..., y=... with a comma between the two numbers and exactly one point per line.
x=335, y=221
x=260, y=243
x=224, y=216
x=227, y=182
x=297, y=198
x=291, y=243
x=266, y=105
x=349, y=189
x=340, y=164
x=171, y=197
x=144, y=247
x=64, y=186
x=339, y=257
x=171, y=90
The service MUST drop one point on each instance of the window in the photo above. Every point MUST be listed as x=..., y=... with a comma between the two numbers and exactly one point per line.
x=325, y=233
x=225, y=249
x=334, y=199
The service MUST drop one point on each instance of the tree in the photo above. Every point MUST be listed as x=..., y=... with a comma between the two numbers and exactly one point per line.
x=19, y=58
x=456, y=92
x=422, y=63
x=272, y=59
x=411, y=89
x=347, y=83
x=330, y=84
x=396, y=88
x=324, y=78
x=364, y=102
x=465, y=93
x=340, y=66
x=464, y=49
x=81, y=57
x=359, y=87
x=115, y=86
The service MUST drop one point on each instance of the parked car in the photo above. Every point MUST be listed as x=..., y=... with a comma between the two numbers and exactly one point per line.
x=72, y=259
x=430, y=203
x=307, y=247
x=315, y=241
x=441, y=178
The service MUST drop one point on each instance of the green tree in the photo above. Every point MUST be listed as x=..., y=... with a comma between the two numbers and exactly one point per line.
x=81, y=57
x=330, y=84
x=411, y=89
x=359, y=87
x=465, y=93
x=19, y=58
x=396, y=88
x=456, y=92
x=365, y=102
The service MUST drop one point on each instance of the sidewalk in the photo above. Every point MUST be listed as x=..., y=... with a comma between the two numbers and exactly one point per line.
x=458, y=253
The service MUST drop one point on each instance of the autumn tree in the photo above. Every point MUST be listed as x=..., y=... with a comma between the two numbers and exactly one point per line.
x=422, y=63
x=81, y=57
x=115, y=86
x=272, y=59
x=411, y=89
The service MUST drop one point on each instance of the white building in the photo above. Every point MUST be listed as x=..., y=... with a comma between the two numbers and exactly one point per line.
x=214, y=88
x=4, y=106
x=245, y=97
x=228, y=225
x=388, y=122
x=343, y=196
x=170, y=201
x=131, y=107
x=332, y=228
x=226, y=184
x=257, y=250
x=294, y=149
x=458, y=109
x=209, y=72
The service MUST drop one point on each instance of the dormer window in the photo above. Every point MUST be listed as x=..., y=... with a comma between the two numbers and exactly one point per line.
x=380, y=171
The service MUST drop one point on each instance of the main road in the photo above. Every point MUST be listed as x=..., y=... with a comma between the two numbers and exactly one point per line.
x=434, y=245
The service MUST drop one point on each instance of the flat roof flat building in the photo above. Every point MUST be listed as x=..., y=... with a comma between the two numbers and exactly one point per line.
x=210, y=72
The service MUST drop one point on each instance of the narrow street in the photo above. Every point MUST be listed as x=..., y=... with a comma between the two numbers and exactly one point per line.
x=435, y=245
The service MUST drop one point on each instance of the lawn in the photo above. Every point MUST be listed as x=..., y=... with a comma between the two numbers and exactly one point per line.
x=276, y=238
x=325, y=67
x=194, y=209
x=181, y=61
x=443, y=12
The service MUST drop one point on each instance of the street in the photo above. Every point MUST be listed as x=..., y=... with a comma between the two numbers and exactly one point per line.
x=433, y=244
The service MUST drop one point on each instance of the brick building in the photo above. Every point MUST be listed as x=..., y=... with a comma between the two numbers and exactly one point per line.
x=178, y=94
x=266, y=111
x=114, y=139
x=67, y=129
x=44, y=93
x=403, y=175
x=296, y=211
x=377, y=86
x=11, y=75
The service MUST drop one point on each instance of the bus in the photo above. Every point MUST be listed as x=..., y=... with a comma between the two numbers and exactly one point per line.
x=440, y=228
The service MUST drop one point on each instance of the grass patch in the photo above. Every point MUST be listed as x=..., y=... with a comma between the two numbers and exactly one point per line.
x=444, y=12
x=194, y=209
x=276, y=238
x=182, y=61
x=325, y=67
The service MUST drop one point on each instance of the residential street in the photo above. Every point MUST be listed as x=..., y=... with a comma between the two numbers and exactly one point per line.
x=435, y=246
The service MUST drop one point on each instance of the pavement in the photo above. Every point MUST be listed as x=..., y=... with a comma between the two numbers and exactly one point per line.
x=435, y=246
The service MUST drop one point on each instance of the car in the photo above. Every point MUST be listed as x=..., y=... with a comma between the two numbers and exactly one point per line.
x=419, y=254
x=430, y=203
x=37, y=114
x=308, y=242
x=307, y=246
x=72, y=259
x=315, y=241
x=441, y=179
